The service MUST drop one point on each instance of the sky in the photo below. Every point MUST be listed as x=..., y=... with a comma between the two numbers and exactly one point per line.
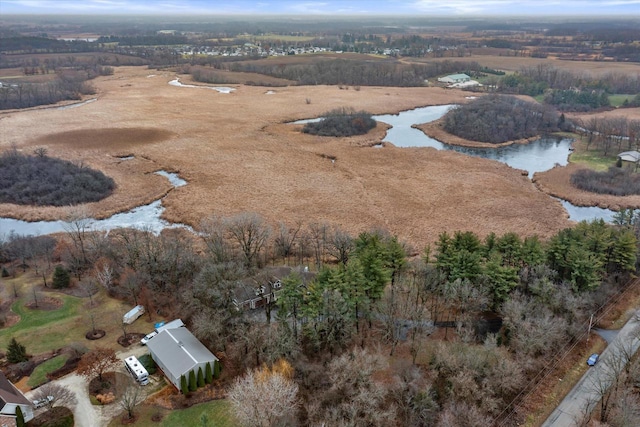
x=596, y=8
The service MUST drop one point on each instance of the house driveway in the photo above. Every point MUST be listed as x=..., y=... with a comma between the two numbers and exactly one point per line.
x=84, y=412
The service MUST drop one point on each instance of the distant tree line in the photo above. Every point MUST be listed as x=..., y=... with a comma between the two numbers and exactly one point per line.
x=341, y=122
x=498, y=118
x=608, y=133
x=577, y=100
x=566, y=90
x=615, y=181
x=351, y=72
x=68, y=84
x=32, y=44
x=46, y=181
x=155, y=39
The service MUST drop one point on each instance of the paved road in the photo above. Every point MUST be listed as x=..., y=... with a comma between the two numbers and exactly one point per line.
x=86, y=414
x=587, y=392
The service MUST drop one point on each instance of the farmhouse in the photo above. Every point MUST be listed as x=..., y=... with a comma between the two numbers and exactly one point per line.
x=454, y=78
x=177, y=352
x=10, y=399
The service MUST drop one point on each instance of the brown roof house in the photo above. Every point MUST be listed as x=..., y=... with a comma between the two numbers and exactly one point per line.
x=10, y=399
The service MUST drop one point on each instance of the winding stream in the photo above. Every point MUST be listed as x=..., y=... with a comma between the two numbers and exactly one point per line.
x=537, y=156
x=146, y=217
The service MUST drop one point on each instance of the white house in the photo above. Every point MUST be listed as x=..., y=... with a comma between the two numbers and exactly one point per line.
x=10, y=399
x=454, y=78
x=178, y=352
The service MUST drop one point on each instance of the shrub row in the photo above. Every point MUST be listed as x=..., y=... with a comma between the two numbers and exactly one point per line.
x=615, y=181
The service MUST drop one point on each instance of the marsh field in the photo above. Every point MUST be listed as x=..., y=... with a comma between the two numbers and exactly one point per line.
x=238, y=154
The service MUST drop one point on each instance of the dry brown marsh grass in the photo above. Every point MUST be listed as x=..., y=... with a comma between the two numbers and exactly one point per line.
x=237, y=155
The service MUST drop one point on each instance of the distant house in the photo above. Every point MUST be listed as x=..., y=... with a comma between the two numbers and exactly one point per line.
x=10, y=399
x=178, y=352
x=454, y=78
x=258, y=292
x=630, y=156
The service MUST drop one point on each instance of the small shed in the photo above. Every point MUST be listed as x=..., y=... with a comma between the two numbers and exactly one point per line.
x=630, y=156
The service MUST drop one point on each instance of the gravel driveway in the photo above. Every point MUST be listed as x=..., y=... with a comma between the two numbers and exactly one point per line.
x=86, y=414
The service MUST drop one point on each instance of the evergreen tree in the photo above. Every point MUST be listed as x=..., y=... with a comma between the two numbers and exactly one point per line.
x=193, y=386
x=61, y=277
x=200, y=377
x=16, y=352
x=217, y=368
x=208, y=374
x=183, y=385
x=19, y=417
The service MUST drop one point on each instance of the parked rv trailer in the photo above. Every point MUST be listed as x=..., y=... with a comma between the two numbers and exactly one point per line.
x=136, y=369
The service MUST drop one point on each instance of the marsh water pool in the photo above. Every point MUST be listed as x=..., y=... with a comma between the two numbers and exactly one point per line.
x=537, y=156
x=146, y=217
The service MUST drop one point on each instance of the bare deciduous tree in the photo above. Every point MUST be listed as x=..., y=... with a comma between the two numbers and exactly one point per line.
x=250, y=232
x=131, y=397
x=96, y=362
x=262, y=397
x=55, y=395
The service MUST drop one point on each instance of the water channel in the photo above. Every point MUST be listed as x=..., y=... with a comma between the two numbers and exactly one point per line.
x=146, y=217
x=537, y=156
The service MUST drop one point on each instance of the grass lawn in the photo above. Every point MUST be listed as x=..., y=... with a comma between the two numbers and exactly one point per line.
x=39, y=374
x=41, y=330
x=618, y=99
x=591, y=158
x=218, y=413
x=31, y=332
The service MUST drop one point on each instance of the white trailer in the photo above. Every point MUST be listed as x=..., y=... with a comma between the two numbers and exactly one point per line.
x=136, y=369
x=133, y=314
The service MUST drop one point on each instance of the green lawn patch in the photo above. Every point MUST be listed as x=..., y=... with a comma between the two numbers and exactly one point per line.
x=616, y=100
x=43, y=330
x=593, y=160
x=218, y=413
x=39, y=375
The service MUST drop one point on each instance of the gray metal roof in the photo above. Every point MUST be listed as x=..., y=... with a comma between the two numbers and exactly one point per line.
x=179, y=350
x=630, y=156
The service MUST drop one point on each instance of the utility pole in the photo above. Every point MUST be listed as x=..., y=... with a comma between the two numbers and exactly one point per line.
x=590, y=324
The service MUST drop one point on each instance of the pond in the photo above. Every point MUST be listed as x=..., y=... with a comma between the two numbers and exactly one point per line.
x=536, y=156
x=147, y=217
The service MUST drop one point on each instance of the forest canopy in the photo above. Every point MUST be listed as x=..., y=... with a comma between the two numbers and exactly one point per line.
x=496, y=119
x=46, y=181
